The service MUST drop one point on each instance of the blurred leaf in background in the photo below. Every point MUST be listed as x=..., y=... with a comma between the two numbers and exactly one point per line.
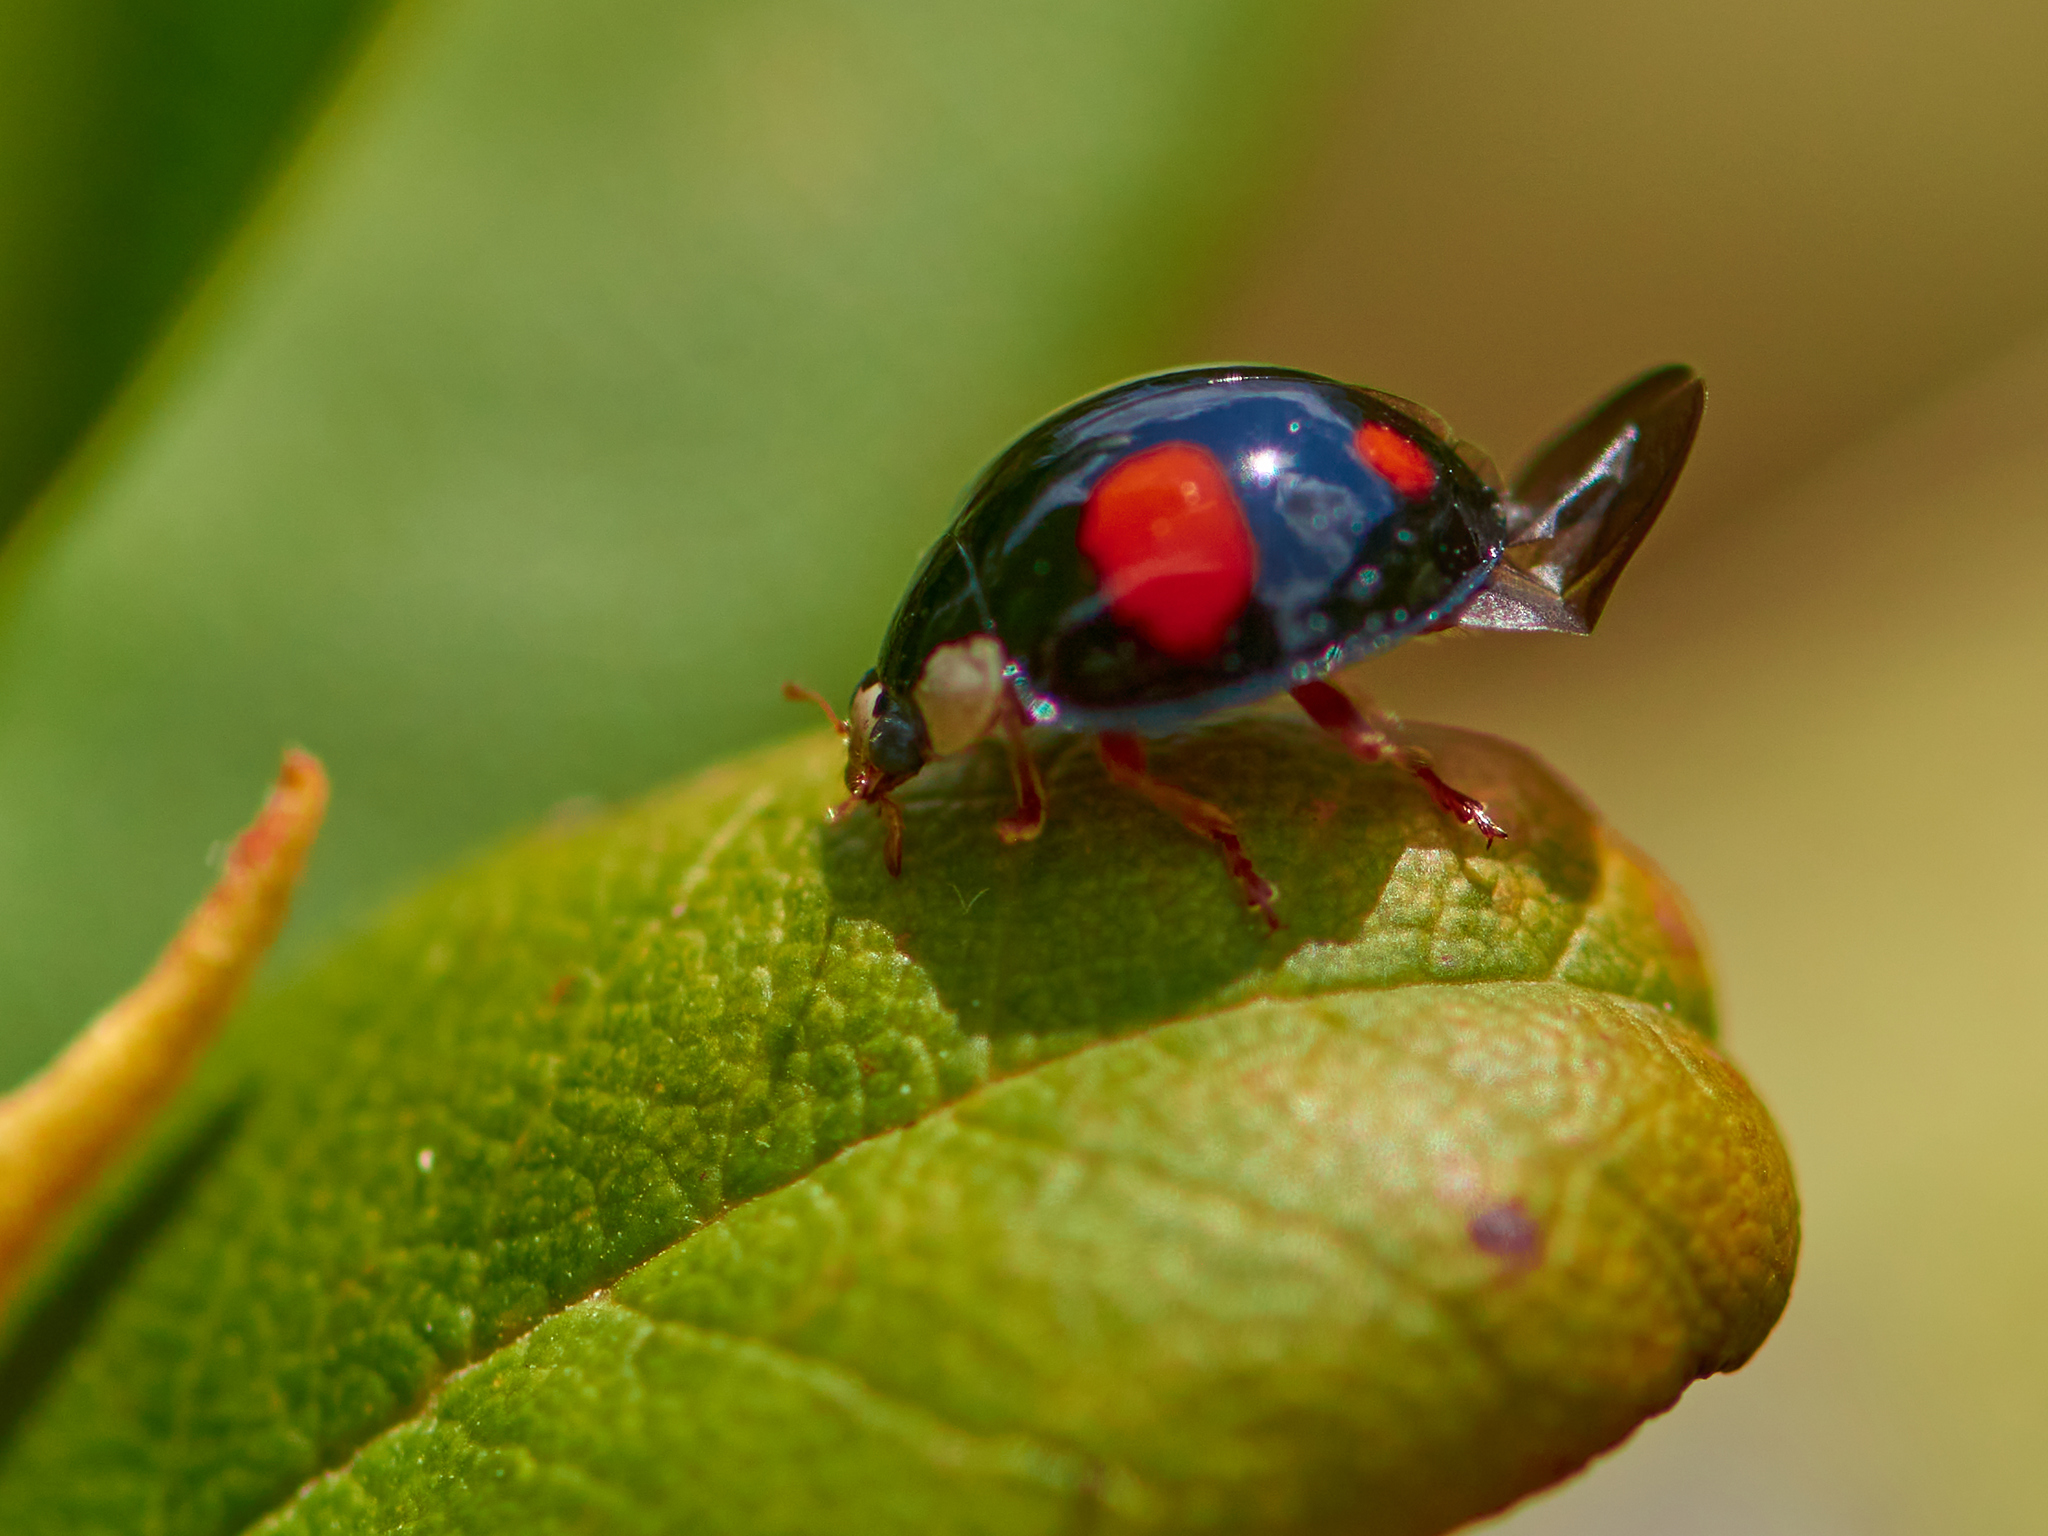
x=1829, y=209
x=134, y=136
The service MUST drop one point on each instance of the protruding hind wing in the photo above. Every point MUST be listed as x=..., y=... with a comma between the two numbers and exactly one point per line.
x=1581, y=506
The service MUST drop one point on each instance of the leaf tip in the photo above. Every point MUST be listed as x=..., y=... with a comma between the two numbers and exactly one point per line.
x=59, y=1131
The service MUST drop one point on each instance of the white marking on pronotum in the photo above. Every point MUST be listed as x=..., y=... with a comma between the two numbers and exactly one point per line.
x=960, y=692
x=717, y=843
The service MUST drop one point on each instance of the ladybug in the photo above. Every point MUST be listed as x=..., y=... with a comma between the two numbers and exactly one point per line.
x=1194, y=540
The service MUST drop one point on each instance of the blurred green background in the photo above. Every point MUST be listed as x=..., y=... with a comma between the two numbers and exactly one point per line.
x=503, y=399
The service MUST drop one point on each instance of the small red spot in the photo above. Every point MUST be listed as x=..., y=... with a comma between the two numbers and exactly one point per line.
x=1397, y=460
x=1171, y=548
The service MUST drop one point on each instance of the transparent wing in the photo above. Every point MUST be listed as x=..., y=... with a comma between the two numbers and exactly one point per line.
x=1580, y=508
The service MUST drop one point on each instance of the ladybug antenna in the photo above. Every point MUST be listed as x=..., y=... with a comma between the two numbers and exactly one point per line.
x=797, y=693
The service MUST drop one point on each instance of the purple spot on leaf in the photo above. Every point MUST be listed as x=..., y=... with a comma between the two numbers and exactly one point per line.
x=1508, y=1232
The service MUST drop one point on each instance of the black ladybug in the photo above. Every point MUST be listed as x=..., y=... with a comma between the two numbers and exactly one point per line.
x=1210, y=537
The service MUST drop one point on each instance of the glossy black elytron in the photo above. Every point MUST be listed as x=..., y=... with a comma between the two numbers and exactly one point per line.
x=1347, y=558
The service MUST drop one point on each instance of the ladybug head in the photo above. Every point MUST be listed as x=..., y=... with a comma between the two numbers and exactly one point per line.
x=886, y=741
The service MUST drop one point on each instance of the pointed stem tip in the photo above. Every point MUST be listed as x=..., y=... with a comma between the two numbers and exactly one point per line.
x=59, y=1131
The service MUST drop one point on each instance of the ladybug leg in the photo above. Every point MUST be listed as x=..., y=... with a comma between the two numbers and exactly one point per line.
x=892, y=833
x=1028, y=820
x=1365, y=738
x=892, y=824
x=1124, y=756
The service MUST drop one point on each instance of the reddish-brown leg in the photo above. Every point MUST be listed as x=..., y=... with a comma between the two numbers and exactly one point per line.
x=1365, y=740
x=1124, y=756
x=892, y=832
x=1028, y=820
x=797, y=693
x=892, y=825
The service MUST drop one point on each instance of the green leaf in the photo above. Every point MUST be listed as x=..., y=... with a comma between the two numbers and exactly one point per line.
x=132, y=133
x=1042, y=1187
x=596, y=367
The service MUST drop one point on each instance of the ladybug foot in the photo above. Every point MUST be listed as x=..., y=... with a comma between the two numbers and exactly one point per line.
x=1124, y=756
x=1021, y=828
x=1365, y=737
x=1458, y=805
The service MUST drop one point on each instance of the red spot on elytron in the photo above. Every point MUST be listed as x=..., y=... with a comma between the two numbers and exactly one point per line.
x=1399, y=462
x=1171, y=548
